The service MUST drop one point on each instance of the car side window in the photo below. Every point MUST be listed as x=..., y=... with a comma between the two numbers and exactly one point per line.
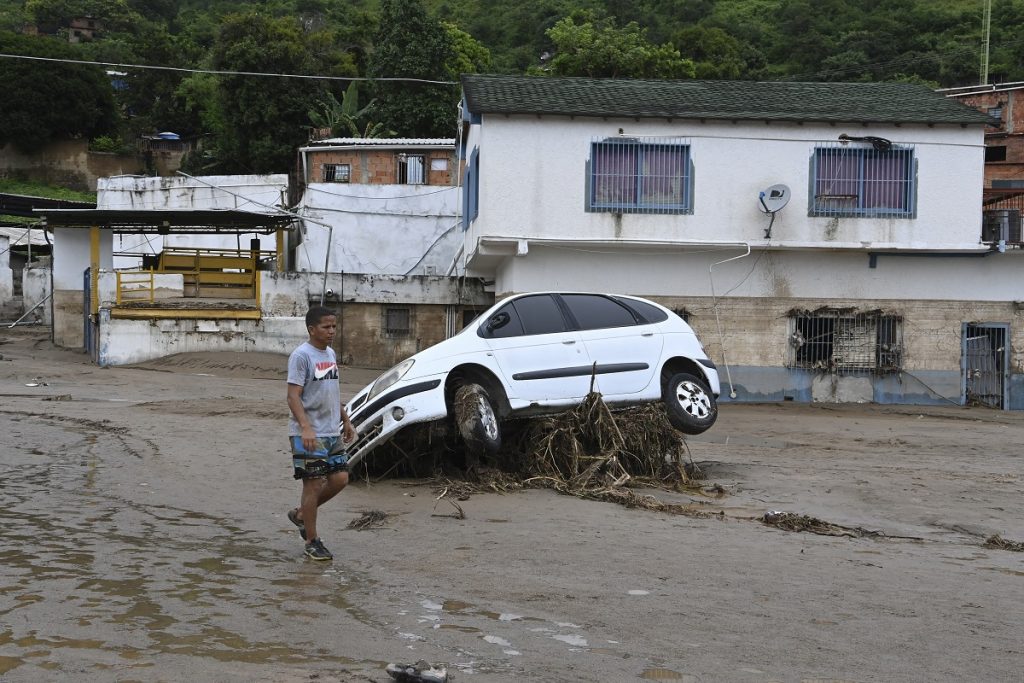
x=649, y=313
x=540, y=314
x=504, y=323
x=597, y=312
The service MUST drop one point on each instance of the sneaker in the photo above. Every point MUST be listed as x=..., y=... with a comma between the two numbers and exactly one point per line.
x=315, y=549
x=293, y=515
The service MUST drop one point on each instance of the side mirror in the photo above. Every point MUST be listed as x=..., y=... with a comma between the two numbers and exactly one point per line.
x=498, y=321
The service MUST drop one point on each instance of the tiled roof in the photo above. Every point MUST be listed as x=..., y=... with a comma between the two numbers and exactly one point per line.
x=730, y=100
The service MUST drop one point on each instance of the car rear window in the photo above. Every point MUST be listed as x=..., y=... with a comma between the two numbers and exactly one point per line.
x=540, y=314
x=594, y=312
x=649, y=313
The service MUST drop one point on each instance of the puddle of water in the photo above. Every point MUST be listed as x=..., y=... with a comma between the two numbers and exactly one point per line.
x=639, y=592
x=153, y=580
x=575, y=641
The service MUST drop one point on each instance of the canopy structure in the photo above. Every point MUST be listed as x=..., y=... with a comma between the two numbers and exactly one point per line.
x=166, y=222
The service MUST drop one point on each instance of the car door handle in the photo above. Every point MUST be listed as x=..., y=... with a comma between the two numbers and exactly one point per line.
x=646, y=334
x=569, y=341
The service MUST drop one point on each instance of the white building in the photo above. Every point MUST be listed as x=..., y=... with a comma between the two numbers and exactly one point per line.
x=865, y=278
x=385, y=206
x=254, y=193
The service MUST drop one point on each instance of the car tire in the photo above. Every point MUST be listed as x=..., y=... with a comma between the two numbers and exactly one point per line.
x=477, y=420
x=689, y=403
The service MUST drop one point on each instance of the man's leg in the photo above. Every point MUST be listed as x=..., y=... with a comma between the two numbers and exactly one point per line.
x=316, y=492
x=311, y=491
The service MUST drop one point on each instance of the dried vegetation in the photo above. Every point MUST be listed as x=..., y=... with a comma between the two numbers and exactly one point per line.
x=588, y=451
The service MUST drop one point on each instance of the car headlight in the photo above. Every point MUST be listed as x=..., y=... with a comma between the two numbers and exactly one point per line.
x=388, y=379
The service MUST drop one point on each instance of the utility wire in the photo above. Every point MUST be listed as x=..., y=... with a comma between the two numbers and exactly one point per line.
x=223, y=73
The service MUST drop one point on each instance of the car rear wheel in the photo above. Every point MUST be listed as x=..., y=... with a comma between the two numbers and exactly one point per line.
x=690, y=405
x=477, y=419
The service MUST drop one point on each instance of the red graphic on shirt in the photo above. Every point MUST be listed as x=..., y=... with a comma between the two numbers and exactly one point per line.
x=325, y=370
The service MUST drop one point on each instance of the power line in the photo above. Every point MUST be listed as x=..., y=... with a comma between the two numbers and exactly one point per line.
x=224, y=73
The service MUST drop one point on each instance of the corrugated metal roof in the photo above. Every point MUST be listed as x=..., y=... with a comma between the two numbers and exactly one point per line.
x=729, y=100
x=392, y=142
x=19, y=238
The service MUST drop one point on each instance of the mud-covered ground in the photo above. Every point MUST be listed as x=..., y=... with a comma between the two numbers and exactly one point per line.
x=143, y=537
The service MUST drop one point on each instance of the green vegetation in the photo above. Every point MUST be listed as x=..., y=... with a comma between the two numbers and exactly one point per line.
x=252, y=124
x=33, y=189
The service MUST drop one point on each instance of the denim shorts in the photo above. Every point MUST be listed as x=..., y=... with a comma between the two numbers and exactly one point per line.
x=327, y=457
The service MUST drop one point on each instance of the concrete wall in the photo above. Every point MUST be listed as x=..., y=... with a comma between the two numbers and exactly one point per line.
x=68, y=164
x=533, y=177
x=436, y=306
x=753, y=348
x=35, y=286
x=241, y=192
x=380, y=229
x=71, y=256
x=988, y=276
x=6, y=276
x=123, y=342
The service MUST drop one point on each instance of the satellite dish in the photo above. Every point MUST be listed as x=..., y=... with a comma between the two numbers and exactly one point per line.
x=774, y=198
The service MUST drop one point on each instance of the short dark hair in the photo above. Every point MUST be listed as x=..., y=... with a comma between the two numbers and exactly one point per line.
x=317, y=313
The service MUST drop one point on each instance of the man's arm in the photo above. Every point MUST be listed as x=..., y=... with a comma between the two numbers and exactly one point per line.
x=348, y=432
x=295, y=405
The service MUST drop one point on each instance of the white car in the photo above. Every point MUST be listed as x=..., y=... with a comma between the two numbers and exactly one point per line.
x=538, y=353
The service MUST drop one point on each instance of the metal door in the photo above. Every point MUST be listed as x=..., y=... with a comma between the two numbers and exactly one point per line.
x=984, y=364
x=91, y=327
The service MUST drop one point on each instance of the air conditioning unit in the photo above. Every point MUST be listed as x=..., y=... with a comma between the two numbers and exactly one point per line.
x=1001, y=225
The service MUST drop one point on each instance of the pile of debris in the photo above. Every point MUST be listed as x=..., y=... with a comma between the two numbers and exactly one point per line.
x=588, y=451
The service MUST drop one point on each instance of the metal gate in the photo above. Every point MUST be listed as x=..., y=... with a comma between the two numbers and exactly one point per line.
x=985, y=364
x=91, y=330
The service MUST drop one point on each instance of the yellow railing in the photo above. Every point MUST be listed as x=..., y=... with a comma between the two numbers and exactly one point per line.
x=127, y=292
x=227, y=273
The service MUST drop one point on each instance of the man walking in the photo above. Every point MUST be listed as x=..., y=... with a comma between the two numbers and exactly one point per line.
x=318, y=452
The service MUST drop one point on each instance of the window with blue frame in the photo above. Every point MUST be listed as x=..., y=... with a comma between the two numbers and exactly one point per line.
x=851, y=181
x=629, y=175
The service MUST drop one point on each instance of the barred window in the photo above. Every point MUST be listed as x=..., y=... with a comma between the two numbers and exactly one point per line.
x=628, y=175
x=337, y=173
x=852, y=181
x=397, y=322
x=845, y=342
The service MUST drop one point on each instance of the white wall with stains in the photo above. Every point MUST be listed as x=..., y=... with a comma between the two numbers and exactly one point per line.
x=379, y=229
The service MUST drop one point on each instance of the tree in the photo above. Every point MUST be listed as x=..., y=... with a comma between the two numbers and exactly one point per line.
x=597, y=48
x=261, y=121
x=469, y=56
x=409, y=44
x=715, y=53
x=345, y=117
x=47, y=101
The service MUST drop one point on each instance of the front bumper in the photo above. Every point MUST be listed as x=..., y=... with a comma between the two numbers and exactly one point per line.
x=406, y=403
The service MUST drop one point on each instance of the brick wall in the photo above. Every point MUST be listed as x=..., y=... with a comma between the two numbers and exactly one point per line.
x=362, y=341
x=756, y=331
x=380, y=166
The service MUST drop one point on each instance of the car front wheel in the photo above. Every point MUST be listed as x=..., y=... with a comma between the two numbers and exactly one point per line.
x=690, y=405
x=477, y=419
